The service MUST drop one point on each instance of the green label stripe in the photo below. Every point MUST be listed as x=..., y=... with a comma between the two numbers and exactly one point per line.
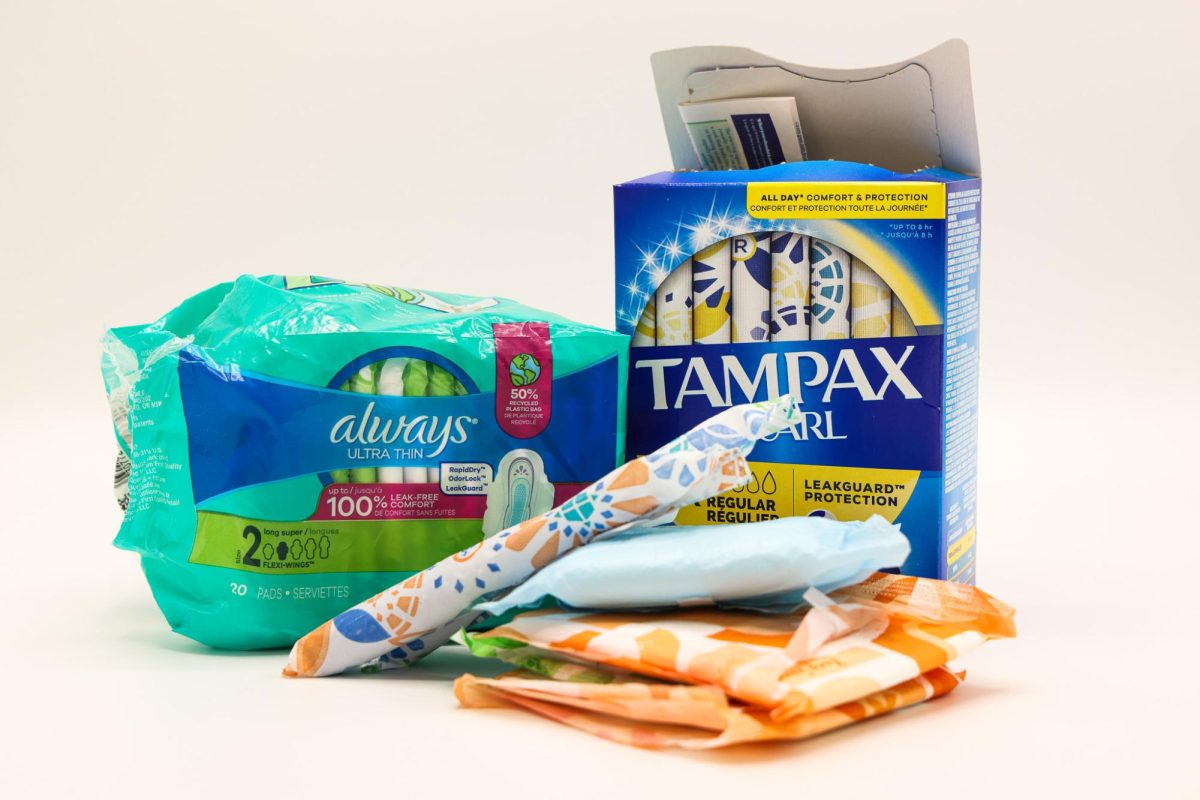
x=312, y=547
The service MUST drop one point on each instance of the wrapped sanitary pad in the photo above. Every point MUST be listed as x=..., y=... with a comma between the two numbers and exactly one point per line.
x=290, y=446
x=786, y=663
x=767, y=565
x=702, y=678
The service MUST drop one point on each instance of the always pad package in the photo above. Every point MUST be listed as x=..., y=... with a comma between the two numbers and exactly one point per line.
x=291, y=446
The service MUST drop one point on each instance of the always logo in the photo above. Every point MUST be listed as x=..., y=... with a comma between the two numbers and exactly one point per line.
x=368, y=428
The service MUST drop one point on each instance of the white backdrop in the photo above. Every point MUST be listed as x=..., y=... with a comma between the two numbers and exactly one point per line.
x=150, y=149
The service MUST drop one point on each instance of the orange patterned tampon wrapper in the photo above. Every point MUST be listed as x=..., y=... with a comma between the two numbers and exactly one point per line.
x=413, y=617
x=872, y=637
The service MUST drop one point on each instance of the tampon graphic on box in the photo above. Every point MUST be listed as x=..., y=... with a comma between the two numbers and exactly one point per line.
x=673, y=307
x=830, y=292
x=518, y=492
x=643, y=334
x=745, y=132
x=870, y=303
x=789, y=287
x=711, y=294
x=751, y=281
x=413, y=617
x=902, y=324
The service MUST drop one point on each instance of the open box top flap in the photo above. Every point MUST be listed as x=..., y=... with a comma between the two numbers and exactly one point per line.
x=906, y=116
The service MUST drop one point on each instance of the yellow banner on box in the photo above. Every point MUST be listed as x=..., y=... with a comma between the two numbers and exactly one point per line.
x=847, y=200
x=801, y=490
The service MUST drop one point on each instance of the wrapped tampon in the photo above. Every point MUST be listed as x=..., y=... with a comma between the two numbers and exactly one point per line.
x=711, y=294
x=830, y=292
x=870, y=303
x=673, y=307
x=412, y=617
x=789, y=287
x=751, y=280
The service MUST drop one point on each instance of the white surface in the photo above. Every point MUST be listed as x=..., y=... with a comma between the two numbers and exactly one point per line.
x=150, y=149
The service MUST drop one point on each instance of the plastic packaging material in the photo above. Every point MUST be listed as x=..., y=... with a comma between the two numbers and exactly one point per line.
x=765, y=565
x=865, y=638
x=412, y=618
x=293, y=445
x=671, y=715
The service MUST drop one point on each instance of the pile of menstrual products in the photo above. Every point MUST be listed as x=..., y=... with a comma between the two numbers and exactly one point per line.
x=710, y=651
x=708, y=678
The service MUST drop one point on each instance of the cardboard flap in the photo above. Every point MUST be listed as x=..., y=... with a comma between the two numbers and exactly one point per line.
x=905, y=116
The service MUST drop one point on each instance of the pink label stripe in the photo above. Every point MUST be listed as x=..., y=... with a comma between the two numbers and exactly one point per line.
x=524, y=377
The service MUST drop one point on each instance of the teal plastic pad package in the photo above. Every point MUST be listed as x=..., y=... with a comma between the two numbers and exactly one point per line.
x=291, y=446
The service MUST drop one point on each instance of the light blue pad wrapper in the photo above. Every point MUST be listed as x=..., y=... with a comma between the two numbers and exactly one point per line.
x=759, y=565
